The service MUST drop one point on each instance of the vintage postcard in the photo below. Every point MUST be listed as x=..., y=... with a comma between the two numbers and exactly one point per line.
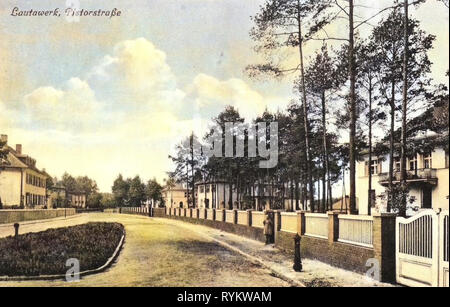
x=225, y=150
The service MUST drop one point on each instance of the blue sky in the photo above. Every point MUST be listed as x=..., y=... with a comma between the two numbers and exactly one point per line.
x=103, y=96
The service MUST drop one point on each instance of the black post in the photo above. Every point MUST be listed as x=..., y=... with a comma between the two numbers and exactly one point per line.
x=298, y=267
x=16, y=229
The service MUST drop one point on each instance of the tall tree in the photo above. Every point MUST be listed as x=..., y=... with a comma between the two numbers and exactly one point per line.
x=187, y=163
x=120, y=191
x=289, y=23
x=320, y=79
x=388, y=37
x=153, y=191
x=136, y=193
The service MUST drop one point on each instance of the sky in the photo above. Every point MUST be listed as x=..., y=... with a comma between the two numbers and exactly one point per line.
x=104, y=96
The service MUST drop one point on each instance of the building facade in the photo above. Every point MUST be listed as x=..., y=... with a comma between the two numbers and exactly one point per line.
x=217, y=195
x=176, y=197
x=78, y=200
x=22, y=184
x=427, y=176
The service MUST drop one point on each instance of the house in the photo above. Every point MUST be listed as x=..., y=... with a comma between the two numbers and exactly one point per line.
x=176, y=197
x=77, y=199
x=216, y=195
x=22, y=184
x=427, y=176
x=57, y=197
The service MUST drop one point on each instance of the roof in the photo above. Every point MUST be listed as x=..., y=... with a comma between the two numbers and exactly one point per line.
x=177, y=187
x=15, y=160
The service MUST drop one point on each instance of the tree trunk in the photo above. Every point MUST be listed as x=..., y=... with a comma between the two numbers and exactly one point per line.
x=391, y=148
x=352, y=109
x=370, y=147
x=325, y=151
x=405, y=101
x=305, y=111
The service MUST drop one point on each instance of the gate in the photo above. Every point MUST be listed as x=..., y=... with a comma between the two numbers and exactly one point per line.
x=422, y=249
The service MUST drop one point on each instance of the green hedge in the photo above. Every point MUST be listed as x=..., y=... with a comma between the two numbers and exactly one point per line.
x=46, y=253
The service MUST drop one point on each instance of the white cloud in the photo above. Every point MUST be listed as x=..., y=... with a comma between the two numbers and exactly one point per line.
x=211, y=92
x=126, y=116
x=72, y=107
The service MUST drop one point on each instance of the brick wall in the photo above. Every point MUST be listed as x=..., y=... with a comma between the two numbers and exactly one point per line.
x=341, y=255
x=353, y=257
x=241, y=230
x=159, y=212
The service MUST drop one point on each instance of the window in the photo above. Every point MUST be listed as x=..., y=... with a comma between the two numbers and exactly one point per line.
x=374, y=167
x=427, y=161
x=397, y=164
x=413, y=163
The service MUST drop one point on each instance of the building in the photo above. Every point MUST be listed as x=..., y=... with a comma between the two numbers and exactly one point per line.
x=427, y=175
x=57, y=197
x=176, y=197
x=76, y=199
x=22, y=184
x=216, y=195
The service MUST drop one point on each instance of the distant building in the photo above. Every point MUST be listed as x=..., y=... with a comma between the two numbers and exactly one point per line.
x=77, y=199
x=216, y=195
x=57, y=197
x=176, y=197
x=427, y=175
x=22, y=184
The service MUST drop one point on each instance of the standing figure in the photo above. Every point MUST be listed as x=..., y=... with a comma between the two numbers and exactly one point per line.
x=268, y=229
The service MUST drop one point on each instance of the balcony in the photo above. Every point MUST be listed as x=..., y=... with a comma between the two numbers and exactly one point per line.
x=418, y=176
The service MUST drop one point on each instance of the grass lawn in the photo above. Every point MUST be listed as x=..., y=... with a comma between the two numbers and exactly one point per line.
x=158, y=254
x=46, y=253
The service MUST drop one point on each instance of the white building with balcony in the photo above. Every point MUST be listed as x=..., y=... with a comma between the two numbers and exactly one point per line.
x=427, y=175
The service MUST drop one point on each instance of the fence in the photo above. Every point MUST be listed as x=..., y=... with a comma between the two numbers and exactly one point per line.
x=230, y=216
x=20, y=215
x=289, y=222
x=210, y=214
x=135, y=210
x=219, y=215
x=242, y=217
x=258, y=219
x=356, y=229
x=316, y=225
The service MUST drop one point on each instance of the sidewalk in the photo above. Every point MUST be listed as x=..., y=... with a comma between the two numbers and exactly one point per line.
x=315, y=273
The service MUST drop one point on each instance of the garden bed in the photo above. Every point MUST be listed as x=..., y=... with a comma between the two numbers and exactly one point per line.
x=46, y=253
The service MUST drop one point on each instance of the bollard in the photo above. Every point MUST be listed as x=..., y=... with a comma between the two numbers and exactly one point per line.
x=298, y=267
x=16, y=229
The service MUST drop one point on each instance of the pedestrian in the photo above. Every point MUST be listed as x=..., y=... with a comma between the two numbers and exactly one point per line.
x=268, y=229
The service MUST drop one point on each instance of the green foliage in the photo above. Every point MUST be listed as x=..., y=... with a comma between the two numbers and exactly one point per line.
x=46, y=253
x=120, y=191
x=136, y=193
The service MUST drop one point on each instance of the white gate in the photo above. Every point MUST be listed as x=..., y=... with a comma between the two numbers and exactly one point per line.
x=443, y=248
x=422, y=249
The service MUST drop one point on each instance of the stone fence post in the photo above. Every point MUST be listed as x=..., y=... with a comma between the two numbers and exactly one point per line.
x=301, y=223
x=333, y=226
x=384, y=244
x=235, y=216
x=249, y=217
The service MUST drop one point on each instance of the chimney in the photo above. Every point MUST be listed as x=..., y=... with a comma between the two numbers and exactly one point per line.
x=4, y=138
x=19, y=149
